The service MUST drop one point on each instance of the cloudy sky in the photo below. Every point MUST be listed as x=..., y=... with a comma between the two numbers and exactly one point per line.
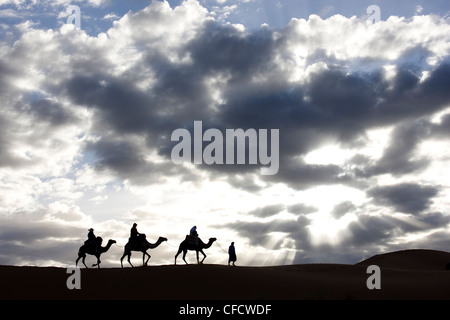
x=86, y=116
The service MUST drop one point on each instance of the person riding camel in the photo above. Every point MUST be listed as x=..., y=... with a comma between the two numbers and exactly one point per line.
x=91, y=236
x=92, y=240
x=194, y=234
x=134, y=234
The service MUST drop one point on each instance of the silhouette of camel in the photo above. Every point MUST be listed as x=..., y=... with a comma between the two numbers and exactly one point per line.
x=89, y=249
x=142, y=246
x=190, y=245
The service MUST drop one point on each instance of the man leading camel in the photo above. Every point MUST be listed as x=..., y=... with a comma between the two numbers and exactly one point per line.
x=232, y=254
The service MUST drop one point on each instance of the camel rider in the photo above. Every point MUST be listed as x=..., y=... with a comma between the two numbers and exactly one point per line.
x=91, y=236
x=134, y=234
x=194, y=234
x=92, y=239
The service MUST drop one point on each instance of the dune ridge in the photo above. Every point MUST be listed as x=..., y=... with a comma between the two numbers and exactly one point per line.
x=412, y=259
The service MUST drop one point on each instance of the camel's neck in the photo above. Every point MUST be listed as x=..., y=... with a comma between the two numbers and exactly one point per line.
x=108, y=245
x=209, y=244
x=152, y=246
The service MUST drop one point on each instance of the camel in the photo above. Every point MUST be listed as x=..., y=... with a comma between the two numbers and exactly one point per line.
x=89, y=249
x=191, y=245
x=142, y=246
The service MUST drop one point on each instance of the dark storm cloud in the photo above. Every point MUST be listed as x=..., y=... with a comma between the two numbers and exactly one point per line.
x=119, y=104
x=265, y=233
x=5, y=157
x=372, y=229
x=435, y=88
x=243, y=182
x=35, y=254
x=127, y=159
x=51, y=112
x=180, y=92
x=352, y=103
x=267, y=211
x=301, y=176
x=301, y=208
x=442, y=130
x=7, y=73
x=120, y=156
x=342, y=209
x=434, y=219
x=382, y=230
x=404, y=197
x=28, y=239
x=410, y=98
x=438, y=240
x=32, y=231
x=223, y=48
x=400, y=156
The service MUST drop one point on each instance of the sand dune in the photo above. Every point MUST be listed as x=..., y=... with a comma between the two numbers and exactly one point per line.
x=409, y=274
x=418, y=259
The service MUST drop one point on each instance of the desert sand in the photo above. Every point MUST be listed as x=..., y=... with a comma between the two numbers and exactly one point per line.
x=409, y=274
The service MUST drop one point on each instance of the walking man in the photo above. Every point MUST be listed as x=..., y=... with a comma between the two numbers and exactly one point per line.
x=231, y=254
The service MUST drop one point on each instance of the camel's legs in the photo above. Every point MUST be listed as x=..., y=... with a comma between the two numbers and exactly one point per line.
x=204, y=256
x=196, y=251
x=84, y=257
x=143, y=256
x=178, y=253
x=98, y=262
x=121, y=259
x=184, y=256
x=129, y=261
x=126, y=253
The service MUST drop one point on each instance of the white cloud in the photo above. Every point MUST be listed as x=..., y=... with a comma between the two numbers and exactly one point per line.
x=9, y=13
x=327, y=10
x=110, y=16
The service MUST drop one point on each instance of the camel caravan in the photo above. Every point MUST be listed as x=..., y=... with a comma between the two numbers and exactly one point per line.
x=138, y=242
